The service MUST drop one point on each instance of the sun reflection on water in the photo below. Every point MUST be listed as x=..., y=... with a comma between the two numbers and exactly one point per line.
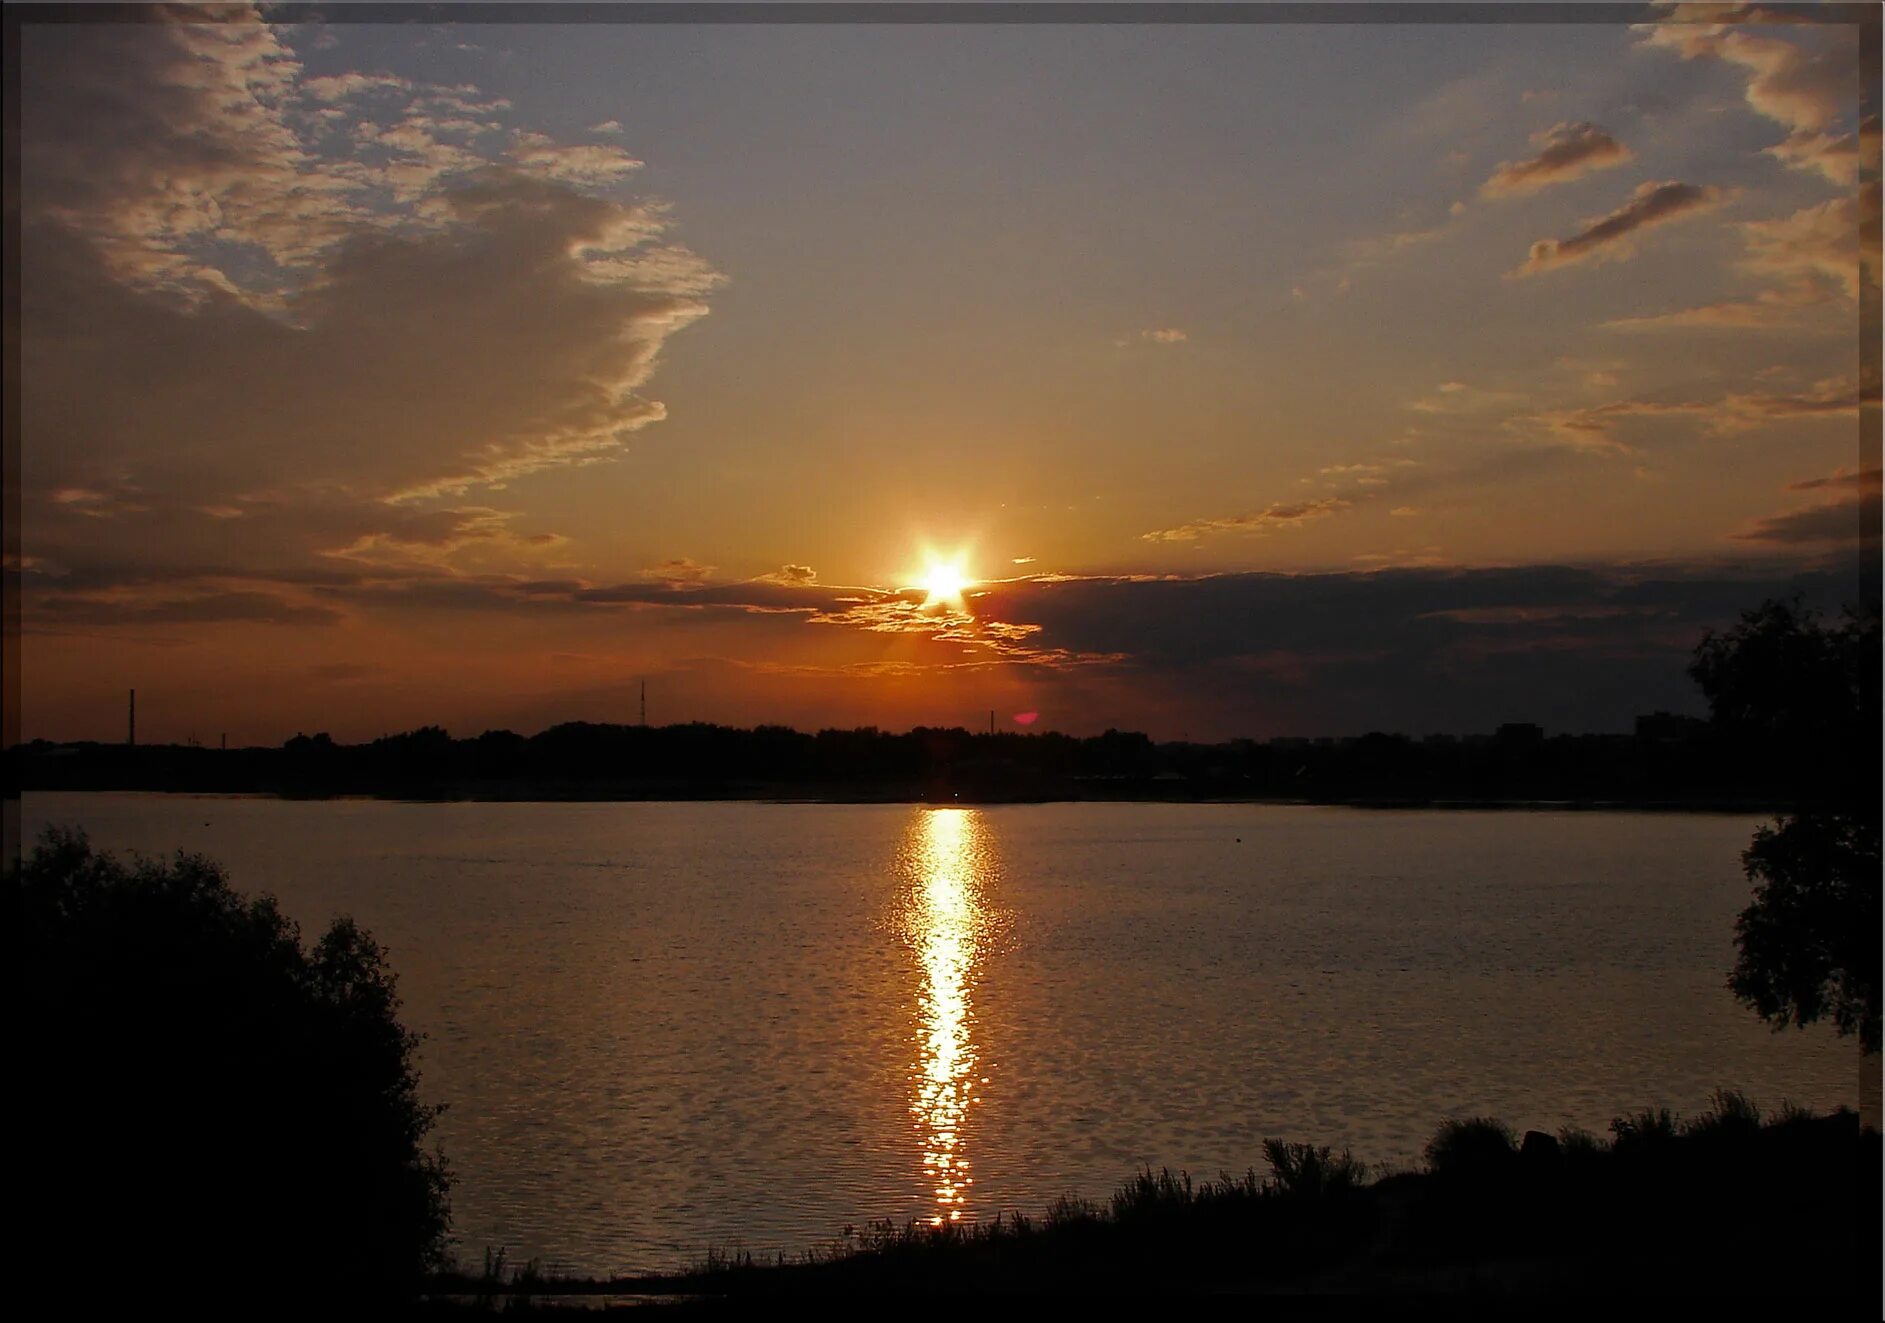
x=947, y=922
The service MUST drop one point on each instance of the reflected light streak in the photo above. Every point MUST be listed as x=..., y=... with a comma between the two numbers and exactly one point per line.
x=947, y=922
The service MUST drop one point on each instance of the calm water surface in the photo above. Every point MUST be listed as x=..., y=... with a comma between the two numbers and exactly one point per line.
x=664, y=1027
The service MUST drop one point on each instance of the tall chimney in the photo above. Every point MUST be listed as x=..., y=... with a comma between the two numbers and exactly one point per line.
x=131, y=737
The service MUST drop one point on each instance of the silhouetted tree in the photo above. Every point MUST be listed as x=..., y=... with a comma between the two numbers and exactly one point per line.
x=1807, y=695
x=1809, y=944
x=202, y=1099
x=1806, y=691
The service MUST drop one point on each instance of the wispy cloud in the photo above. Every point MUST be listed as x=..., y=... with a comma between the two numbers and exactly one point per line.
x=576, y=163
x=1459, y=397
x=1782, y=308
x=1595, y=428
x=1807, y=91
x=1837, y=156
x=437, y=539
x=1852, y=516
x=1613, y=237
x=680, y=571
x=1566, y=151
x=1282, y=514
x=1154, y=335
x=1836, y=240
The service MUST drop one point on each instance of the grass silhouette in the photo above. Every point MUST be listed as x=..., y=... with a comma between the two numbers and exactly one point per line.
x=1731, y=1201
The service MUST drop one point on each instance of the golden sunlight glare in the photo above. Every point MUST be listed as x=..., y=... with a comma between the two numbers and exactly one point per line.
x=947, y=921
x=944, y=582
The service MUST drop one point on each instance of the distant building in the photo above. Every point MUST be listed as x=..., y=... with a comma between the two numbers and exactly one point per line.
x=1662, y=727
x=1520, y=732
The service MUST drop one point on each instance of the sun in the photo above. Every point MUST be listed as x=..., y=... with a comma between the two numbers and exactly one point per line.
x=944, y=582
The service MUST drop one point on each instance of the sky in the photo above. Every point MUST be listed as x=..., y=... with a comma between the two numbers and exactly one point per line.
x=1260, y=379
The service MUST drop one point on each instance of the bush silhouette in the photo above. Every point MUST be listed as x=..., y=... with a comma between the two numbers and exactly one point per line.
x=207, y=1100
x=1475, y=1147
x=1651, y=1130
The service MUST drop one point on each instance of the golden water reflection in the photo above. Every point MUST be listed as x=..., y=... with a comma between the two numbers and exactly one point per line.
x=947, y=919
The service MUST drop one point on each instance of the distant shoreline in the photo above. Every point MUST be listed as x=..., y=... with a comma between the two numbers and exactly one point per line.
x=1669, y=764
x=779, y=796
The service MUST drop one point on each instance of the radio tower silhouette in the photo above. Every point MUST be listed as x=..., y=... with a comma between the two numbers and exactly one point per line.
x=644, y=702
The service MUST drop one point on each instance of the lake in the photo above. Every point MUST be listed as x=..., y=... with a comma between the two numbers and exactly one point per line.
x=665, y=1027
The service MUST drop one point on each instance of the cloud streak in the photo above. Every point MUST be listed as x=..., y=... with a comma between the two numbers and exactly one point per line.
x=1783, y=308
x=1281, y=514
x=1613, y=237
x=1566, y=151
x=1851, y=517
x=1594, y=428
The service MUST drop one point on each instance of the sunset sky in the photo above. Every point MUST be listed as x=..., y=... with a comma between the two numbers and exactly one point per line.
x=1264, y=379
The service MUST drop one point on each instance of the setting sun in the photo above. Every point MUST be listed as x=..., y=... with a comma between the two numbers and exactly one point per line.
x=944, y=582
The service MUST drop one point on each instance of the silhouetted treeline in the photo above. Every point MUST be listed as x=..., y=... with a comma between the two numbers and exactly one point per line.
x=1668, y=760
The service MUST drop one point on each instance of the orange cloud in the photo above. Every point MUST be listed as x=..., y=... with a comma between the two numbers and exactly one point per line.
x=1836, y=240
x=1805, y=91
x=1280, y=515
x=1594, y=428
x=680, y=572
x=1770, y=309
x=1566, y=151
x=1838, y=157
x=1852, y=516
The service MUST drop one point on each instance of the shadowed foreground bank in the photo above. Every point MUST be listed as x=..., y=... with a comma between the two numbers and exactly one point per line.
x=1729, y=1202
